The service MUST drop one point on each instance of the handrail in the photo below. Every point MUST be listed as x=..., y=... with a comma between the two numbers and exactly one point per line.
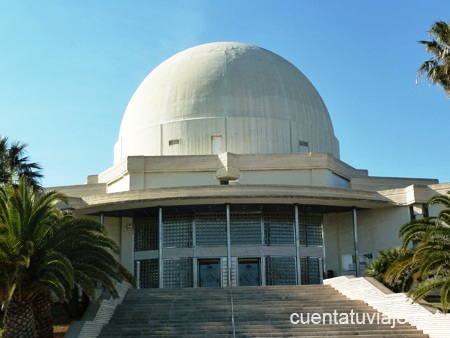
x=232, y=305
x=232, y=314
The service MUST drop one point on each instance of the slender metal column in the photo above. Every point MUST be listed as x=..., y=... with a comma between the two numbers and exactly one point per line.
x=194, y=257
x=324, y=253
x=297, y=246
x=262, y=260
x=263, y=270
x=321, y=270
x=228, y=244
x=160, y=249
x=229, y=269
x=355, y=237
x=102, y=219
x=133, y=251
x=138, y=275
x=195, y=270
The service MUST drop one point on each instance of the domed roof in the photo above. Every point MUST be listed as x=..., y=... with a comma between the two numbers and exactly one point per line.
x=225, y=96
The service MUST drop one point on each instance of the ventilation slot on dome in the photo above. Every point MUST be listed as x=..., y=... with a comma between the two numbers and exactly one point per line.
x=173, y=142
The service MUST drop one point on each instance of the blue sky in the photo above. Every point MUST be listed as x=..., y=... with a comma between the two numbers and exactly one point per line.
x=69, y=68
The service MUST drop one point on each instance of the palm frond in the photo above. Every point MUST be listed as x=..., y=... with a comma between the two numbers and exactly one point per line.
x=437, y=68
x=42, y=248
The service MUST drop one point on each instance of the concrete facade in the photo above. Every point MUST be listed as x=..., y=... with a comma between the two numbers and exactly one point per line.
x=227, y=159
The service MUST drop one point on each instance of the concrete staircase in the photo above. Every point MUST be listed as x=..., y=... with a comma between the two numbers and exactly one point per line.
x=258, y=312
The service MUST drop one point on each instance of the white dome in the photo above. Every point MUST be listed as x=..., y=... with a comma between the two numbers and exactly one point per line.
x=221, y=97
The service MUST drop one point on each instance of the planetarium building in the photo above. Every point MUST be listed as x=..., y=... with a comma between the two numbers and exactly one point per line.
x=227, y=172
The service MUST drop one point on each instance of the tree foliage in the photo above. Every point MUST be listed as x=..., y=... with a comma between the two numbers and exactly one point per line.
x=437, y=68
x=42, y=249
x=425, y=259
x=385, y=260
x=14, y=164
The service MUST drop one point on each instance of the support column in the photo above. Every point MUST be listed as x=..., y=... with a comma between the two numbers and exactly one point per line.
x=133, y=251
x=160, y=249
x=195, y=272
x=355, y=237
x=297, y=246
x=263, y=270
x=194, y=257
x=228, y=244
x=262, y=260
x=321, y=270
x=138, y=275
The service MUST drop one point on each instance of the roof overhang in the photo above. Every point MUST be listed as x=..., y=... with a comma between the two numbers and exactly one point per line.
x=118, y=203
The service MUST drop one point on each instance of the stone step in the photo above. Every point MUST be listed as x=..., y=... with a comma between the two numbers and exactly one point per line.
x=258, y=312
x=265, y=327
x=242, y=300
x=236, y=295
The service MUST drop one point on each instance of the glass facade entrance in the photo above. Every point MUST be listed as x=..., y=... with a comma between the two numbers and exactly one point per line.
x=214, y=245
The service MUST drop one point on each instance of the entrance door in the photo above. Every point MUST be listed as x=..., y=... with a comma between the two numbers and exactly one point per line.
x=249, y=272
x=209, y=272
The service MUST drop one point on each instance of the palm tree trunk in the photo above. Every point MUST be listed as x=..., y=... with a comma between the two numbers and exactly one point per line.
x=19, y=320
x=43, y=319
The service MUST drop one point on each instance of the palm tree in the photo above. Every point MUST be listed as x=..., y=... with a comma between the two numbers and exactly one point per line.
x=85, y=244
x=14, y=164
x=428, y=260
x=42, y=250
x=25, y=222
x=384, y=262
x=437, y=68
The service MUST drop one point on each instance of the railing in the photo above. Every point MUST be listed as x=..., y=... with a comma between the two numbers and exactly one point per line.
x=232, y=305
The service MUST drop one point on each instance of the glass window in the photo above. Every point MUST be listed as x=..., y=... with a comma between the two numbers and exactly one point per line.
x=146, y=233
x=310, y=273
x=278, y=229
x=149, y=275
x=280, y=271
x=245, y=229
x=178, y=273
x=177, y=231
x=310, y=229
x=211, y=229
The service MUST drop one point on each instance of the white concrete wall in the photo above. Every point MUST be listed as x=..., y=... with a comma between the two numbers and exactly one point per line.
x=136, y=181
x=377, y=230
x=122, y=184
x=433, y=210
x=315, y=177
x=126, y=243
x=173, y=179
x=81, y=190
x=194, y=135
x=112, y=225
x=312, y=169
x=240, y=135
